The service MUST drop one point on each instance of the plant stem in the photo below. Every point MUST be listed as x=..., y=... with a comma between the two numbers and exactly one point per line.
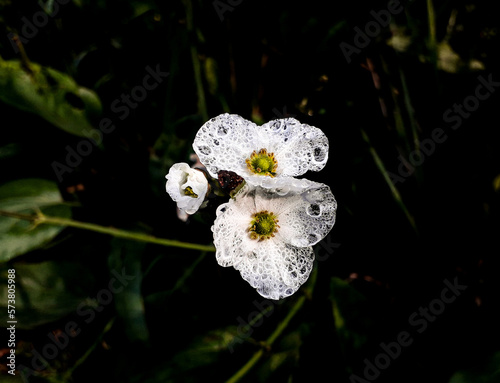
x=277, y=331
x=248, y=365
x=68, y=374
x=40, y=218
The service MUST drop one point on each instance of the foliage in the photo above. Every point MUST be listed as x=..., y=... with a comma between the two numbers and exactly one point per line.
x=99, y=98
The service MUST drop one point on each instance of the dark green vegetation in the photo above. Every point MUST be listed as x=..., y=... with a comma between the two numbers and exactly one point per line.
x=406, y=283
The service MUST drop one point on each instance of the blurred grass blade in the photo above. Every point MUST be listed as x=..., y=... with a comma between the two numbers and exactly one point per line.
x=431, y=18
x=351, y=317
x=412, y=120
x=410, y=111
x=197, y=69
x=387, y=178
x=67, y=375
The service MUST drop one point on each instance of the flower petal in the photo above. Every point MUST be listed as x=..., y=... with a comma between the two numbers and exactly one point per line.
x=279, y=182
x=225, y=142
x=298, y=147
x=231, y=238
x=275, y=269
x=179, y=177
x=278, y=266
x=308, y=217
x=306, y=210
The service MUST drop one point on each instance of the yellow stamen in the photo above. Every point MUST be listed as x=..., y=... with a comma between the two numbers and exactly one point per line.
x=189, y=191
x=263, y=226
x=262, y=163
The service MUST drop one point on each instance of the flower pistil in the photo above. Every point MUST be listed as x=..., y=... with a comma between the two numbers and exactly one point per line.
x=189, y=192
x=262, y=163
x=263, y=225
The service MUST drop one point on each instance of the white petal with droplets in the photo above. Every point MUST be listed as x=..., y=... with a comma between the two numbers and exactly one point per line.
x=278, y=266
x=227, y=141
x=179, y=177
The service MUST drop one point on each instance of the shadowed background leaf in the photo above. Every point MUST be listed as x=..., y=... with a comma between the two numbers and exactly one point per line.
x=28, y=196
x=182, y=318
x=45, y=291
x=52, y=95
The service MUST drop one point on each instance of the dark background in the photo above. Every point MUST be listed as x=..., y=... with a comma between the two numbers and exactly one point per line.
x=263, y=60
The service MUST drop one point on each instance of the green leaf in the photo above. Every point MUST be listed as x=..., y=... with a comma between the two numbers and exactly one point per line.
x=487, y=372
x=9, y=151
x=206, y=349
x=11, y=379
x=197, y=358
x=351, y=315
x=129, y=303
x=46, y=291
x=52, y=95
x=26, y=196
x=284, y=356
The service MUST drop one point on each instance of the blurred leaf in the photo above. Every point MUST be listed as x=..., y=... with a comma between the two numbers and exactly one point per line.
x=129, y=303
x=45, y=291
x=11, y=379
x=141, y=7
x=284, y=357
x=400, y=39
x=201, y=355
x=489, y=372
x=496, y=183
x=210, y=66
x=350, y=315
x=25, y=196
x=205, y=350
x=52, y=95
x=9, y=151
x=387, y=177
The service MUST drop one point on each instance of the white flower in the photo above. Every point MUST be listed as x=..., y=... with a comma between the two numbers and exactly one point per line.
x=267, y=155
x=267, y=234
x=187, y=187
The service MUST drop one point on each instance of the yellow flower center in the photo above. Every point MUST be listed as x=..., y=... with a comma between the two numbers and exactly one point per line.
x=189, y=191
x=263, y=225
x=262, y=163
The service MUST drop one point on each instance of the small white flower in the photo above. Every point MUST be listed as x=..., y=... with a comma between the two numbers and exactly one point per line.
x=186, y=186
x=267, y=155
x=267, y=234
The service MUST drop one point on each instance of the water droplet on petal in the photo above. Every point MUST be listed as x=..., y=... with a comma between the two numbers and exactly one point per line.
x=204, y=150
x=313, y=210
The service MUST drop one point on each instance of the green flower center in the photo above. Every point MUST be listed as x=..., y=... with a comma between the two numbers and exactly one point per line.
x=263, y=225
x=189, y=192
x=262, y=163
